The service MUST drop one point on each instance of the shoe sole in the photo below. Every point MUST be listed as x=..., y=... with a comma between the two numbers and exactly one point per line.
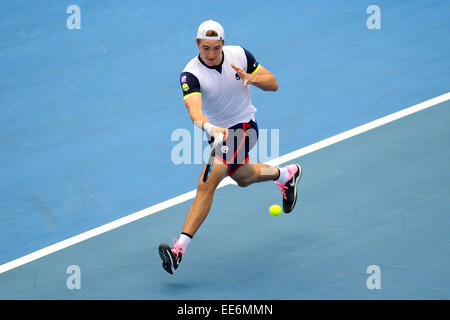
x=295, y=188
x=166, y=258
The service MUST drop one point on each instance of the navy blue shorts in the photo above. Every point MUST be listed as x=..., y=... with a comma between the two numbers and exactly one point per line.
x=234, y=152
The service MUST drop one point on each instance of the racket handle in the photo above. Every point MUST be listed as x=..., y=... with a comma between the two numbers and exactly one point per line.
x=206, y=174
x=218, y=140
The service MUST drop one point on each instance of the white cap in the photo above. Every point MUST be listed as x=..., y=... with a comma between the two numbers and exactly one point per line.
x=210, y=25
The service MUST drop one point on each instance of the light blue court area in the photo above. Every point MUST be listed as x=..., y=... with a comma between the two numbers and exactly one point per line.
x=377, y=200
x=86, y=115
x=86, y=121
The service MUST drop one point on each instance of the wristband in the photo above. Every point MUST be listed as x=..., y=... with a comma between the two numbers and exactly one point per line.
x=208, y=127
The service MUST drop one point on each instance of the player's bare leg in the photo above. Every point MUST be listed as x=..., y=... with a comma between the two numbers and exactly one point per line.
x=196, y=215
x=203, y=199
x=287, y=179
x=254, y=172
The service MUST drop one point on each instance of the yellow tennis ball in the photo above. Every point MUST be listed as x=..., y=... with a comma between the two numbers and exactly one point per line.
x=275, y=210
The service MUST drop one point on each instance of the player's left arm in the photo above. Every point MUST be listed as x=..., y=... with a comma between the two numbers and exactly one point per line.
x=261, y=78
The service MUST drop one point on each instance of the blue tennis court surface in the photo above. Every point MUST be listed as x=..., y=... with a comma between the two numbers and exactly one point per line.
x=85, y=138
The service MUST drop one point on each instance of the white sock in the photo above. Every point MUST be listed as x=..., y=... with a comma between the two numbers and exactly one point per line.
x=185, y=240
x=284, y=175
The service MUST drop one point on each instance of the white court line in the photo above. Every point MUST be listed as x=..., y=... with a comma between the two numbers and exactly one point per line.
x=191, y=194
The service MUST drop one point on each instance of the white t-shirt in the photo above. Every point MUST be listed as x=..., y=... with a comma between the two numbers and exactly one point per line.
x=226, y=101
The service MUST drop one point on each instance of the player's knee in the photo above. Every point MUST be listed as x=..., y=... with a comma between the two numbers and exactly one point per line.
x=205, y=187
x=244, y=177
x=243, y=182
x=209, y=186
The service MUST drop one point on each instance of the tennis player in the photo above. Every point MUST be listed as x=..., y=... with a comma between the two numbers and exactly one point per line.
x=216, y=92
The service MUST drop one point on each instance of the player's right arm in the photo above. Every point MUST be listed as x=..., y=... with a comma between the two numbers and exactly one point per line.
x=193, y=105
x=192, y=98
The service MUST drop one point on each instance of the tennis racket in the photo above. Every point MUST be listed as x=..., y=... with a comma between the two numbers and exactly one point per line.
x=212, y=155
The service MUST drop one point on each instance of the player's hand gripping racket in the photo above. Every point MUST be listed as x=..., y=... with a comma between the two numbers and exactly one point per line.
x=212, y=155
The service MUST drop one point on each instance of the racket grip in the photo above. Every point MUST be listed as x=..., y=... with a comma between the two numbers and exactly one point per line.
x=206, y=174
x=218, y=140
